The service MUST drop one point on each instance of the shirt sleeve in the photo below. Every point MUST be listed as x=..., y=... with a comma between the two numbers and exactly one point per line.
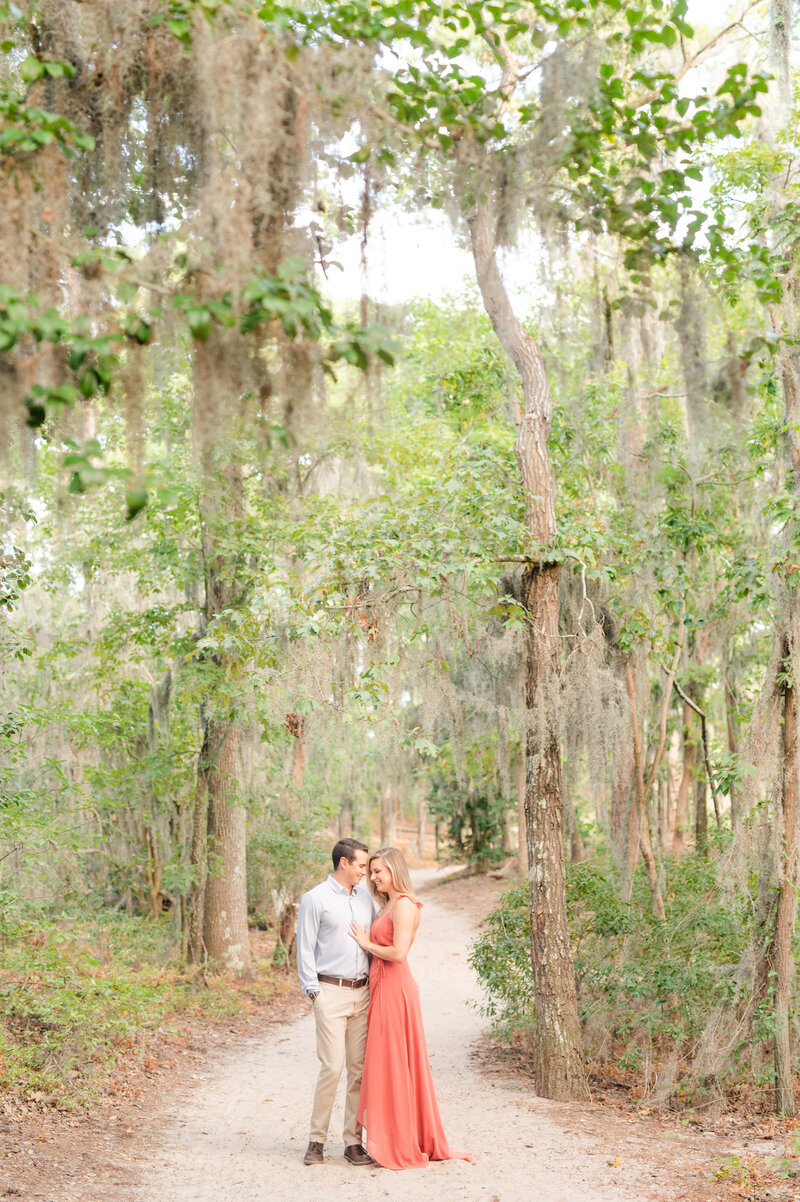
x=307, y=931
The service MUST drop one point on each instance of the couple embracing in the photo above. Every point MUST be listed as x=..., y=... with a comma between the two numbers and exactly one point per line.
x=351, y=957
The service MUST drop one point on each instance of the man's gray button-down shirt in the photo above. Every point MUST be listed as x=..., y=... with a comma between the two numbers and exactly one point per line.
x=323, y=942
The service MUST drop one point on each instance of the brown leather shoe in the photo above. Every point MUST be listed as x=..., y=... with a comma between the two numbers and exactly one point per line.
x=355, y=1154
x=313, y=1154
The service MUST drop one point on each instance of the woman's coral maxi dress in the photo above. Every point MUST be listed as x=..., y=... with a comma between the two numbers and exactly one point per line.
x=397, y=1106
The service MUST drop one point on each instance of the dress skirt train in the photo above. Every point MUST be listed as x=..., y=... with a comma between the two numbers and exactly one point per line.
x=397, y=1106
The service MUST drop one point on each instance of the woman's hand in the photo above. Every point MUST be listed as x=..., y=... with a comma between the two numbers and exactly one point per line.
x=360, y=935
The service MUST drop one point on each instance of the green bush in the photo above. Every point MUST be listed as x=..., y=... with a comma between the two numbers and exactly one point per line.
x=502, y=960
x=77, y=996
x=285, y=851
x=472, y=813
x=646, y=989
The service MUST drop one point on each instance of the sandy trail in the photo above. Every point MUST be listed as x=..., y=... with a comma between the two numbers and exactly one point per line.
x=241, y=1130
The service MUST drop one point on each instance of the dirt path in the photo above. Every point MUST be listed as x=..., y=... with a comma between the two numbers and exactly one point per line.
x=240, y=1130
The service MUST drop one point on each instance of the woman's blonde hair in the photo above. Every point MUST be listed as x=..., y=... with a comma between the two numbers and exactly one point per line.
x=395, y=861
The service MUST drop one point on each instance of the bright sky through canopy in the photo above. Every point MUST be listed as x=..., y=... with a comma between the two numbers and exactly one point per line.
x=420, y=256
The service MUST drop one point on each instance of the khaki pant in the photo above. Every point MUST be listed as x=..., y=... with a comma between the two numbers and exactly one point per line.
x=341, y=1017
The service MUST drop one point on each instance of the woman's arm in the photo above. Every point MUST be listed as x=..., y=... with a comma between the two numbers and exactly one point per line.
x=405, y=919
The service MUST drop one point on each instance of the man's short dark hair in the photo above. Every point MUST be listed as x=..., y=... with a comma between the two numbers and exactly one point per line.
x=346, y=848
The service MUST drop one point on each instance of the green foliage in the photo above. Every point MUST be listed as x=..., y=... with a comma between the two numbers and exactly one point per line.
x=287, y=848
x=302, y=312
x=646, y=988
x=501, y=958
x=365, y=552
x=26, y=130
x=81, y=995
x=15, y=566
x=90, y=357
x=469, y=804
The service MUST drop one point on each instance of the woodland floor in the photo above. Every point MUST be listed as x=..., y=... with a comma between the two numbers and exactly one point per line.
x=221, y=1111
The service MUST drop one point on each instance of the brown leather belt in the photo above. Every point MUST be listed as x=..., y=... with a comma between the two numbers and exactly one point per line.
x=359, y=984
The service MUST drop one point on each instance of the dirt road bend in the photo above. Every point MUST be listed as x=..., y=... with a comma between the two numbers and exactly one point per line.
x=239, y=1132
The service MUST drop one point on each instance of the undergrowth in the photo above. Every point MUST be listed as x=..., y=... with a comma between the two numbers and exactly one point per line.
x=80, y=997
x=648, y=991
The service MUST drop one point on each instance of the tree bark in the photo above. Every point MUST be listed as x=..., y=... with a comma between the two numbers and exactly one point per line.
x=783, y=963
x=682, y=801
x=558, y=1055
x=522, y=838
x=577, y=851
x=225, y=930
x=297, y=728
x=619, y=815
x=195, y=944
x=220, y=770
x=700, y=817
x=777, y=881
x=422, y=814
x=730, y=710
x=387, y=815
x=640, y=813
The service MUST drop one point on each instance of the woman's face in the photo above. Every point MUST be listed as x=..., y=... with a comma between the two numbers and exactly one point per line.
x=380, y=876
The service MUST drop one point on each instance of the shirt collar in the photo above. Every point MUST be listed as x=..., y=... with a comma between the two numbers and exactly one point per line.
x=337, y=888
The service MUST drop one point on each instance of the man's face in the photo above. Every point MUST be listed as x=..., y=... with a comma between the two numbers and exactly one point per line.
x=354, y=870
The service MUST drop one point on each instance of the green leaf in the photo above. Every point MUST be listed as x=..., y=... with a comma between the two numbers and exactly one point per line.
x=31, y=69
x=200, y=322
x=89, y=382
x=135, y=500
x=126, y=291
x=180, y=28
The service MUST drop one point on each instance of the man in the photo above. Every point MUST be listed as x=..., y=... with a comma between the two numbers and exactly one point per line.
x=334, y=973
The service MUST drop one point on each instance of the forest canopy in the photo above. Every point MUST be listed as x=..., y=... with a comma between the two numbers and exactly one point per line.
x=509, y=578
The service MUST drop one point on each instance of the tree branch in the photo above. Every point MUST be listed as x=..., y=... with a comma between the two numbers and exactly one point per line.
x=695, y=59
x=704, y=739
x=665, y=707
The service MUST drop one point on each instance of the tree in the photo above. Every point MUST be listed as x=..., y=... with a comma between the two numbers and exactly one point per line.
x=590, y=154
x=209, y=179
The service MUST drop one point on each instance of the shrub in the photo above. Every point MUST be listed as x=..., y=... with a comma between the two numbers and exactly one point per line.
x=646, y=989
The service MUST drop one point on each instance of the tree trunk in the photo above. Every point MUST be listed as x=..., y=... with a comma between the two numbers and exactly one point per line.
x=674, y=775
x=225, y=929
x=663, y=813
x=730, y=710
x=195, y=945
x=154, y=873
x=558, y=1055
x=682, y=801
x=221, y=767
x=298, y=757
x=522, y=838
x=386, y=816
x=345, y=829
x=789, y=358
x=640, y=812
x=700, y=817
x=619, y=814
x=787, y=898
x=577, y=851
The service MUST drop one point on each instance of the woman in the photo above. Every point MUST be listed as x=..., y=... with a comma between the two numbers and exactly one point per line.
x=397, y=1106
